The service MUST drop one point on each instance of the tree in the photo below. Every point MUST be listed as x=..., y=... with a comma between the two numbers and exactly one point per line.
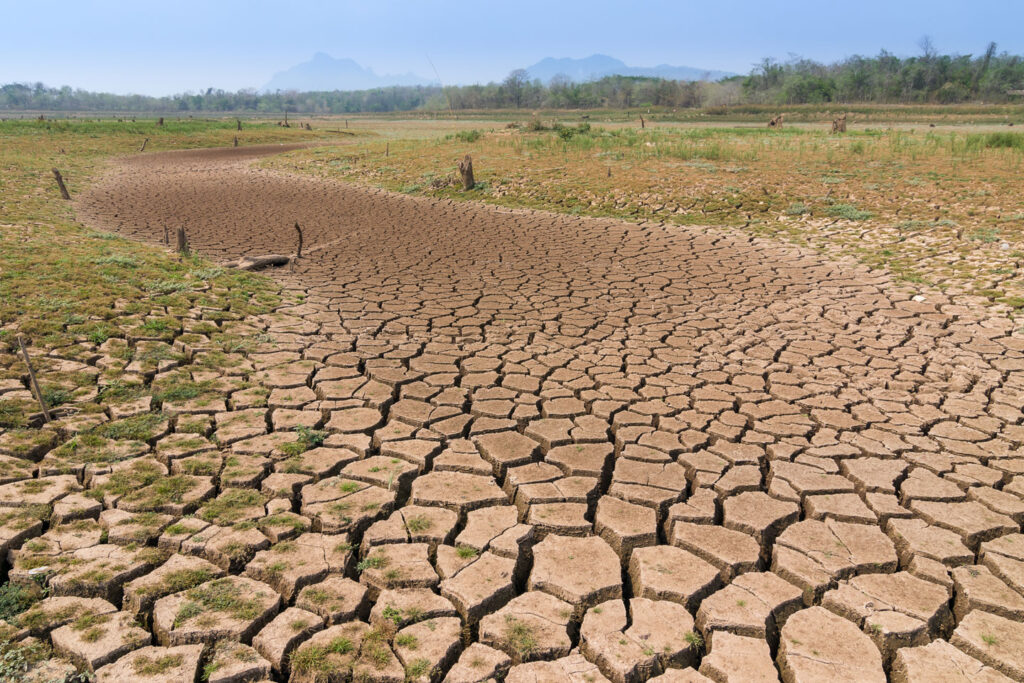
x=515, y=84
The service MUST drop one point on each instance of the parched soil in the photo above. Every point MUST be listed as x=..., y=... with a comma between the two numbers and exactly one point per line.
x=580, y=448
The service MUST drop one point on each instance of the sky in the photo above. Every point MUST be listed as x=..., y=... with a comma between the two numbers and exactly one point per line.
x=159, y=47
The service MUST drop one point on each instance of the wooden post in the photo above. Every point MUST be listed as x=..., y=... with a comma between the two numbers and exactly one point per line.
x=167, y=237
x=387, y=149
x=239, y=122
x=32, y=379
x=60, y=184
x=182, y=247
x=143, y=148
x=466, y=171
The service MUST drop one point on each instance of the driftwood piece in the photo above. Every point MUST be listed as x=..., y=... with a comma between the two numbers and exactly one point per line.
x=32, y=379
x=257, y=262
x=466, y=171
x=60, y=184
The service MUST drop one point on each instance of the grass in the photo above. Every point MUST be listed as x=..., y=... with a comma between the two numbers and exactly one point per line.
x=519, y=636
x=147, y=666
x=372, y=562
x=221, y=595
x=60, y=282
x=230, y=506
x=418, y=524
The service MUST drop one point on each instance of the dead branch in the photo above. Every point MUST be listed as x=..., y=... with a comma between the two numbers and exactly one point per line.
x=32, y=379
x=60, y=184
x=257, y=262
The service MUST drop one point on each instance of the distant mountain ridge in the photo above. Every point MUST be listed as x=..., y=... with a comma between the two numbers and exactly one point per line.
x=324, y=72
x=596, y=67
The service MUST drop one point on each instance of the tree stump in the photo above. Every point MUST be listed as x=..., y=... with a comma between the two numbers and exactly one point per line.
x=466, y=171
x=182, y=247
x=60, y=183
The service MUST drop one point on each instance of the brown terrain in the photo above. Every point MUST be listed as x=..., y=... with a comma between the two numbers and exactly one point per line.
x=559, y=449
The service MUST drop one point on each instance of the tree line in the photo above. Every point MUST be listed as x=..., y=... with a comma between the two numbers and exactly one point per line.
x=886, y=79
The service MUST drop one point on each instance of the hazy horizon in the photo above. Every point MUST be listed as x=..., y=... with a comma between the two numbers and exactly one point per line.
x=152, y=49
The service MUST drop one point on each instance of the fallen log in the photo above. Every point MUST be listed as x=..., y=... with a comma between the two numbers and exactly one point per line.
x=257, y=262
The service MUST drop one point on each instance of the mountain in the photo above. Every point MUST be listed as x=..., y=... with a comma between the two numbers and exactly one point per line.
x=596, y=67
x=323, y=72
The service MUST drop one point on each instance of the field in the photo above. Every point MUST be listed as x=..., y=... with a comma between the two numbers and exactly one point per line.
x=939, y=206
x=697, y=396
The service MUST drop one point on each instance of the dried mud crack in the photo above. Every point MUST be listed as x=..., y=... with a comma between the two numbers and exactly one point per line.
x=512, y=444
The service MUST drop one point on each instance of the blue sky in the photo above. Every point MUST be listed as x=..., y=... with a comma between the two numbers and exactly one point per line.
x=167, y=46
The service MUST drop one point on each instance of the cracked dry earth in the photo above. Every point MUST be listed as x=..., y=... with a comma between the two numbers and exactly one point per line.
x=539, y=448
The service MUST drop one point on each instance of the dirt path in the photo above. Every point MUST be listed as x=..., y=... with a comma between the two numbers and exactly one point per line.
x=747, y=410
